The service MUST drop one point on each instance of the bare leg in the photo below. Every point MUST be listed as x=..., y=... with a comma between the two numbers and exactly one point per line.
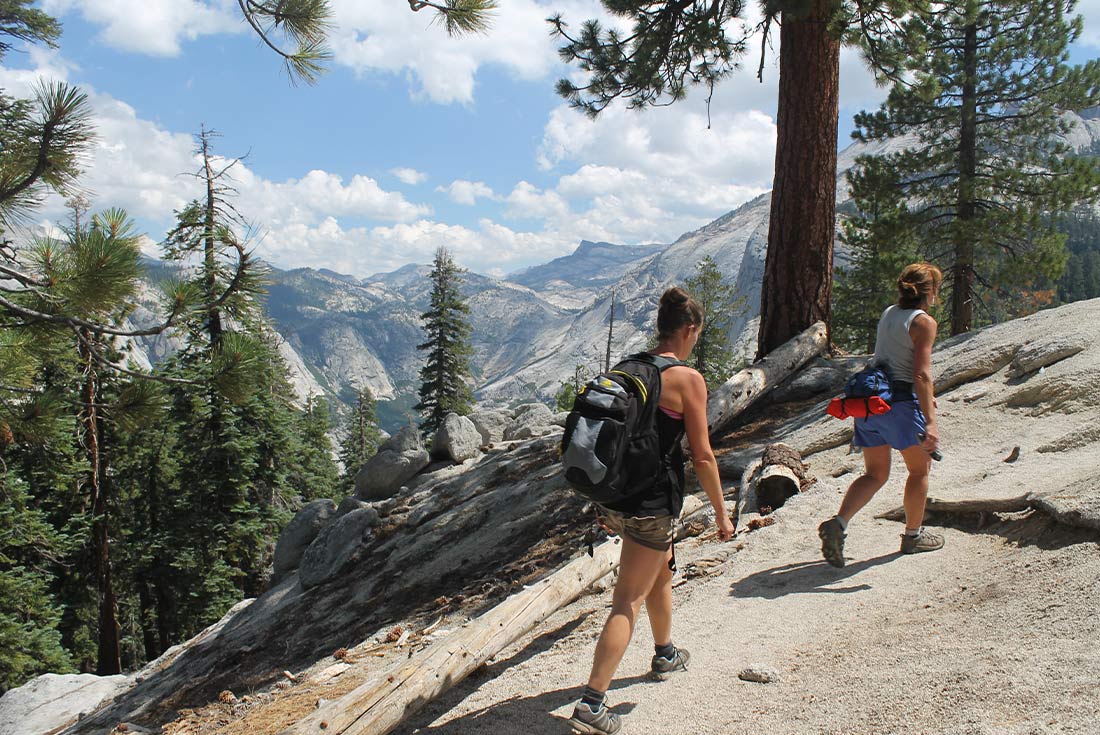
x=658, y=604
x=638, y=569
x=876, y=462
x=918, y=462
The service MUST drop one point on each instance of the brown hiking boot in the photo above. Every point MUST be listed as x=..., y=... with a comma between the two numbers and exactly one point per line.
x=923, y=541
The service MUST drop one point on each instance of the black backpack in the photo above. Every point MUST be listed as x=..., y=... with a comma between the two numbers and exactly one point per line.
x=610, y=450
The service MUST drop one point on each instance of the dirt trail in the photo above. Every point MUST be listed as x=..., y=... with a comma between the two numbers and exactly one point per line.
x=995, y=634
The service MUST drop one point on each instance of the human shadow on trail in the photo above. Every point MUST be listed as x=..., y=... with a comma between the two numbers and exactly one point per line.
x=518, y=713
x=806, y=576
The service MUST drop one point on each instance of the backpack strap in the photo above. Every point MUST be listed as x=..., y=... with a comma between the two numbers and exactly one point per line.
x=660, y=361
x=664, y=363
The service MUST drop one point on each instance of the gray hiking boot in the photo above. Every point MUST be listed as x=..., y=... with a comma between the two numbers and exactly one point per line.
x=662, y=668
x=832, y=541
x=923, y=541
x=600, y=721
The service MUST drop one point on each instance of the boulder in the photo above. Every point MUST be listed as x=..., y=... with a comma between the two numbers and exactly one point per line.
x=560, y=418
x=51, y=701
x=337, y=545
x=457, y=439
x=405, y=440
x=397, y=461
x=350, y=503
x=299, y=533
x=530, y=420
x=491, y=423
x=528, y=408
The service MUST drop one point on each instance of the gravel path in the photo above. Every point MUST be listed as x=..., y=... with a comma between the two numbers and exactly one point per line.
x=996, y=634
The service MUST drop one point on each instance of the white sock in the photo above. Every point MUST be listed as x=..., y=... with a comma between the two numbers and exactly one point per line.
x=843, y=523
x=917, y=532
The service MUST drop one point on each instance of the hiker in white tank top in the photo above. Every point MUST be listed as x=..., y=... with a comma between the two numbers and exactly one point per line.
x=894, y=345
x=903, y=348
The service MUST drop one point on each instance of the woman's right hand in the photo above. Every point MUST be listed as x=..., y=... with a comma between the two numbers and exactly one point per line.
x=931, y=437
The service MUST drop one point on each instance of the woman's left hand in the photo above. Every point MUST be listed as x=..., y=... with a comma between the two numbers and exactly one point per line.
x=725, y=527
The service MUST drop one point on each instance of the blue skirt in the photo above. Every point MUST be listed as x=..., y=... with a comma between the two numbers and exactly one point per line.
x=900, y=427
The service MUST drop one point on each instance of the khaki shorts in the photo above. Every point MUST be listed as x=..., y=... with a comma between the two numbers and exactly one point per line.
x=653, y=532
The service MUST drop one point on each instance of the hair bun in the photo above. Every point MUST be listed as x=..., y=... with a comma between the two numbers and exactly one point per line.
x=674, y=296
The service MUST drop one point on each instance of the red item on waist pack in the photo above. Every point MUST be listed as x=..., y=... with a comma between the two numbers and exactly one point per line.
x=857, y=408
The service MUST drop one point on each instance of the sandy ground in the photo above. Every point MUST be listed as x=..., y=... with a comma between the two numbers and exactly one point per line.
x=998, y=633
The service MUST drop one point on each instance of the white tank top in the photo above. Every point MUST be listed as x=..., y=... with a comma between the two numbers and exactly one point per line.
x=893, y=345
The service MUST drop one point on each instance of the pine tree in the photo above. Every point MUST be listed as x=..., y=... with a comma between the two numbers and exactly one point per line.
x=41, y=139
x=244, y=464
x=713, y=352
x=878, y=250
x=93, y=273
x=672, y=46
x=569, y=389
x=446, y=369
x=30, y=612
x=209, y=227
x=314, y=474
x=362, y=436
x=1082, y=277
x=988, y=169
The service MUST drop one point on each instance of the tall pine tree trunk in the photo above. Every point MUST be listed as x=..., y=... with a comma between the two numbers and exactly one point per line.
x=798, y=269
x=155, y=604
x=210, y=264
x=109, y=655
x=962, y=270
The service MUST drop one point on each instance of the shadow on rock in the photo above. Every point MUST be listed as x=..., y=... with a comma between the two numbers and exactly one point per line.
x=806, y=576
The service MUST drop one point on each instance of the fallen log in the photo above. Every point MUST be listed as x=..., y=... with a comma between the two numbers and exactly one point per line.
x=742, y=390
x=769, y=482
x=380, y=704
x=977, y=505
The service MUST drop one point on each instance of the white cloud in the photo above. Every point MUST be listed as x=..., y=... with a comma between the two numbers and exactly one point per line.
x=319, y=194
x=387, y=37
x=154, y=27
x=528, y=201
x=467, y=192
x=363, y=250
x=409, y=176
x=651, y=176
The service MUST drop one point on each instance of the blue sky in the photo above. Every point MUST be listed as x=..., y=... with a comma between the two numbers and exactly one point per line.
x=412, y=139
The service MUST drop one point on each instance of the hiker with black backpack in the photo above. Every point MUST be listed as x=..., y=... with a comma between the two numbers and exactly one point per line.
x=622, y=449
x=903, y=349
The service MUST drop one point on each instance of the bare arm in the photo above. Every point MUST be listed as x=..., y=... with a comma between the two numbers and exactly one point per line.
x=706, y=466
x=923, y=333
